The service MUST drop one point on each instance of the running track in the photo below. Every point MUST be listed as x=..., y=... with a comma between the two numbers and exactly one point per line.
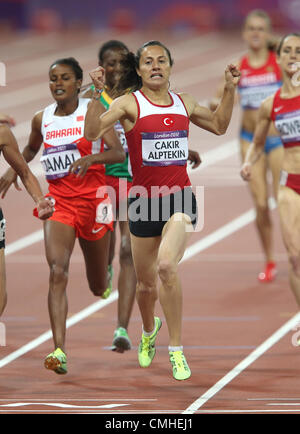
x=236, y=332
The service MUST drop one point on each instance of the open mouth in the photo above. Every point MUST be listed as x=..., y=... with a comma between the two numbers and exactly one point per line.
x=59, y=92
x=156, y=75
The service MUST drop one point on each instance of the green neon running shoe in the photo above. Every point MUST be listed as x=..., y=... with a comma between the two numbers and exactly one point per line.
x=181, y=370
x=121, y=341
x=56, y=361
x=108, y=290
x=147, y=346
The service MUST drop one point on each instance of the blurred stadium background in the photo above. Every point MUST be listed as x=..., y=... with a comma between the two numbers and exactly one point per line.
x=129, y=15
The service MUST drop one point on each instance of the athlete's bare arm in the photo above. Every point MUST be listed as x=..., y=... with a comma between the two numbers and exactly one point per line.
x=122, y=109
x=215, y=121
x=29, y=152
x=215, y=101
x=260, y=135
x=11, y=153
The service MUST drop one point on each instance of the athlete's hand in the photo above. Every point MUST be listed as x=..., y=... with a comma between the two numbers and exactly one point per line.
x=232, y=74
x=45, y=208
x=194, y=159
x=5, y=119
x=98, y=77
x=80, y=166
x=246, y=171
x=8, y=178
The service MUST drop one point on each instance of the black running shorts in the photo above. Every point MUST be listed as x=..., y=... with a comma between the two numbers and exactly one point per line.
x=147, y=216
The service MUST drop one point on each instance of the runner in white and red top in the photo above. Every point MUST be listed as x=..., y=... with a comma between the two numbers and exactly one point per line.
x=260, y=78
x=74, y=169
x=162, y=208
x=283, y=109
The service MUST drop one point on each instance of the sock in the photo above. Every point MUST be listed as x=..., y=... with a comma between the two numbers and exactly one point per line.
x=148, y=334
x=173, y=349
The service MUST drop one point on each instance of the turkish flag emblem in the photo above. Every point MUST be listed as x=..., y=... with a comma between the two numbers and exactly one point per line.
x=168, y=121
x=80, y=118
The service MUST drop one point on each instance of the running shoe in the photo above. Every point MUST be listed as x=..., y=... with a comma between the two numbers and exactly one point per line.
x=108, y=290
x=269, y=273
x=147, y=346
x=56, y=361
x=121, y=341
x=181, y=370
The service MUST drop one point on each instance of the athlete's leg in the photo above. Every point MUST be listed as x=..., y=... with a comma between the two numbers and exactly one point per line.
x=112, y=245
x=144, y=253
x=171, y=250
x=127, y=278
x=3, y=294
x=259, y=191
x=275, y=158
x=289, y=212
x=59, y=244
x=96, y=261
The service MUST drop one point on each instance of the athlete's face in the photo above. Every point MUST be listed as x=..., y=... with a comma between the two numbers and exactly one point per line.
x=112, y=63
x=256, y=33
x=289, y=57
x=154, y=67
x=63, y=83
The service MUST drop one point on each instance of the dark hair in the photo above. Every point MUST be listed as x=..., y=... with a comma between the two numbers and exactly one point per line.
x=150, y=44
x=70, y=61
x=130, y=80
x=113, y=44
x=283, y=39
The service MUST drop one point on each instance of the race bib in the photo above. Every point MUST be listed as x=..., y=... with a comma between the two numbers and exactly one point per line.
x=57, y=160
x=253, y=96
x=104, y=213
x=288, y=125
x=165, y=148
x=121, y=134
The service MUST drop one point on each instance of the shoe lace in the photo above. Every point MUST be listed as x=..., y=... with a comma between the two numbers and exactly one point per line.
x=178, y=360
x=146, y=343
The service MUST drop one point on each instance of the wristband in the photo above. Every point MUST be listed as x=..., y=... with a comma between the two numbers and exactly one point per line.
x=97, y=94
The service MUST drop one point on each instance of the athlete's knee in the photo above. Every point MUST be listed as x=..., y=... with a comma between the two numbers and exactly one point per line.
x=98, y=286
x=295, y=264
x=167, y=269
x=58, y=273
x=146, y=287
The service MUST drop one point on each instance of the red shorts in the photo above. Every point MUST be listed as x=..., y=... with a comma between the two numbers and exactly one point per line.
x=91, y=218
x=120, y=186
x=291, y=180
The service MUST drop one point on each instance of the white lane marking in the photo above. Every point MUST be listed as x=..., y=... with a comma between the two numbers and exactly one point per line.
x=223, y=232
x=284, y=403
x=61, y=405
x=244, y=364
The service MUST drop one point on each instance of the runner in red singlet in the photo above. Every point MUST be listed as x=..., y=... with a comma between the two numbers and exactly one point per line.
x=283, y=108
x=260, y=78
x=112, y=57
x=162, y=207
x=10, y=150
x=82, y=208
